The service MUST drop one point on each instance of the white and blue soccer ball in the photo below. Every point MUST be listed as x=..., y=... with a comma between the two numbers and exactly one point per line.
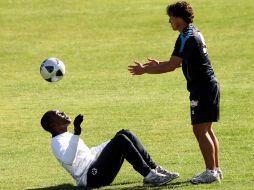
x=52, y=69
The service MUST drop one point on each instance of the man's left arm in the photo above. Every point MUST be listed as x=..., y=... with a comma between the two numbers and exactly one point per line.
x=67, y=156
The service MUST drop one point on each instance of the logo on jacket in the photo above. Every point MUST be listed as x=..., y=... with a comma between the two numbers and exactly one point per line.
x=194, y=103
x=94, y=171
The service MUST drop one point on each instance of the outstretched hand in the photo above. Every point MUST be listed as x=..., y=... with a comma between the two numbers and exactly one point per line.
x=140, y=69
x=151, y=63
x=137, y=69
x=77, y=122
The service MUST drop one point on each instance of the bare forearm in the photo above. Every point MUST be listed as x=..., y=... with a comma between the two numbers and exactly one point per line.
x=155, y=67
x=162, y=67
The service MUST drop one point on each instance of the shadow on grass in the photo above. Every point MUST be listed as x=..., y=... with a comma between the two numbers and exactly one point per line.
x=119, y=186
x=138, y=186
x=57, y=187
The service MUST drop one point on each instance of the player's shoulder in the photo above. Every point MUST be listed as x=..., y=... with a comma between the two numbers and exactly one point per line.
x=195, y=35
x=188, y=32
x=63, y=137
x=189, y=35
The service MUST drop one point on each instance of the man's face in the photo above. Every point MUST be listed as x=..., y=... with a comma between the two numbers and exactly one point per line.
x=60, y=118
x=175, y=22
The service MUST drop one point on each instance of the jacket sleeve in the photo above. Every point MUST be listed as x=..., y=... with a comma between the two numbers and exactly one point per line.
x=67, y=151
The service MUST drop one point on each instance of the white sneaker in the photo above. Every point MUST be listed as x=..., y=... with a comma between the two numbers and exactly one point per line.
x=206, y=177
x=220, y=173
x=161, y=170
x=156, y=179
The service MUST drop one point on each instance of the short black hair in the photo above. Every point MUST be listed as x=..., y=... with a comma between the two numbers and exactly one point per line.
x=181, y=9
x=46, y=120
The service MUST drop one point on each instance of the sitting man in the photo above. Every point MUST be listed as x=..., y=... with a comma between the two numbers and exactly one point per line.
x=99, y=165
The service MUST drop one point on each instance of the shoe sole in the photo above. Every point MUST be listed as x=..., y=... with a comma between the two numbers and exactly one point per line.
x=196, y=183
x=159, y=184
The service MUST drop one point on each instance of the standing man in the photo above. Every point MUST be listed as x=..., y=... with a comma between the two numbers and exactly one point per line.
x=190, y=53
x=98, y=166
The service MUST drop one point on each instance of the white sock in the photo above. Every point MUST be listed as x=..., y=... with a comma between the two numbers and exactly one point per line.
x=149, y=174
x=213, y=171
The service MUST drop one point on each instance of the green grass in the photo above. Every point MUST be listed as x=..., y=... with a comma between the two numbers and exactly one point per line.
x=97, y=40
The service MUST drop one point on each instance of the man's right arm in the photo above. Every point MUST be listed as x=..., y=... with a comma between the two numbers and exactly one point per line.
x=156, y=67
x=163, y=67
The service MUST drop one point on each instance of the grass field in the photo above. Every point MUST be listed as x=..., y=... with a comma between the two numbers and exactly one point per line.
x=97, y=40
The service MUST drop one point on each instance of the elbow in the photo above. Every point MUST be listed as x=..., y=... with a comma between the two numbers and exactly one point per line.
x=68, y=162
x=172, y=69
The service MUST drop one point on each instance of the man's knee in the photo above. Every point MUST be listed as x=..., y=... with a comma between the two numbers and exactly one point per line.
x=201, y=129
x=121, y=141
x=120, y=137
x=123, y=131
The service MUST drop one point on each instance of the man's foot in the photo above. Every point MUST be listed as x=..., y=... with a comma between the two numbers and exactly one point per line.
x=161, y=170
x=156, y=179
x=219, y=171
x=206, y=177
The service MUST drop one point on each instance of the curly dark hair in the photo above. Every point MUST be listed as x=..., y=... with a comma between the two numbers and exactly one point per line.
x=181, y=9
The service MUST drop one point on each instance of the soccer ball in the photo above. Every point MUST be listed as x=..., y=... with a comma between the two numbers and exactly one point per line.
x=52, y=69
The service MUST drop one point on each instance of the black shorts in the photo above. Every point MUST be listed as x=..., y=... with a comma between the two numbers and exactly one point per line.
x=205, y=104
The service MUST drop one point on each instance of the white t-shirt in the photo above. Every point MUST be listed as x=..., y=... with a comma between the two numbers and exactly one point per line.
x=74, y=155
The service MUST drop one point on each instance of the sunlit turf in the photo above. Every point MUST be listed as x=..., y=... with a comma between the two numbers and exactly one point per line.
x=97, y=40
